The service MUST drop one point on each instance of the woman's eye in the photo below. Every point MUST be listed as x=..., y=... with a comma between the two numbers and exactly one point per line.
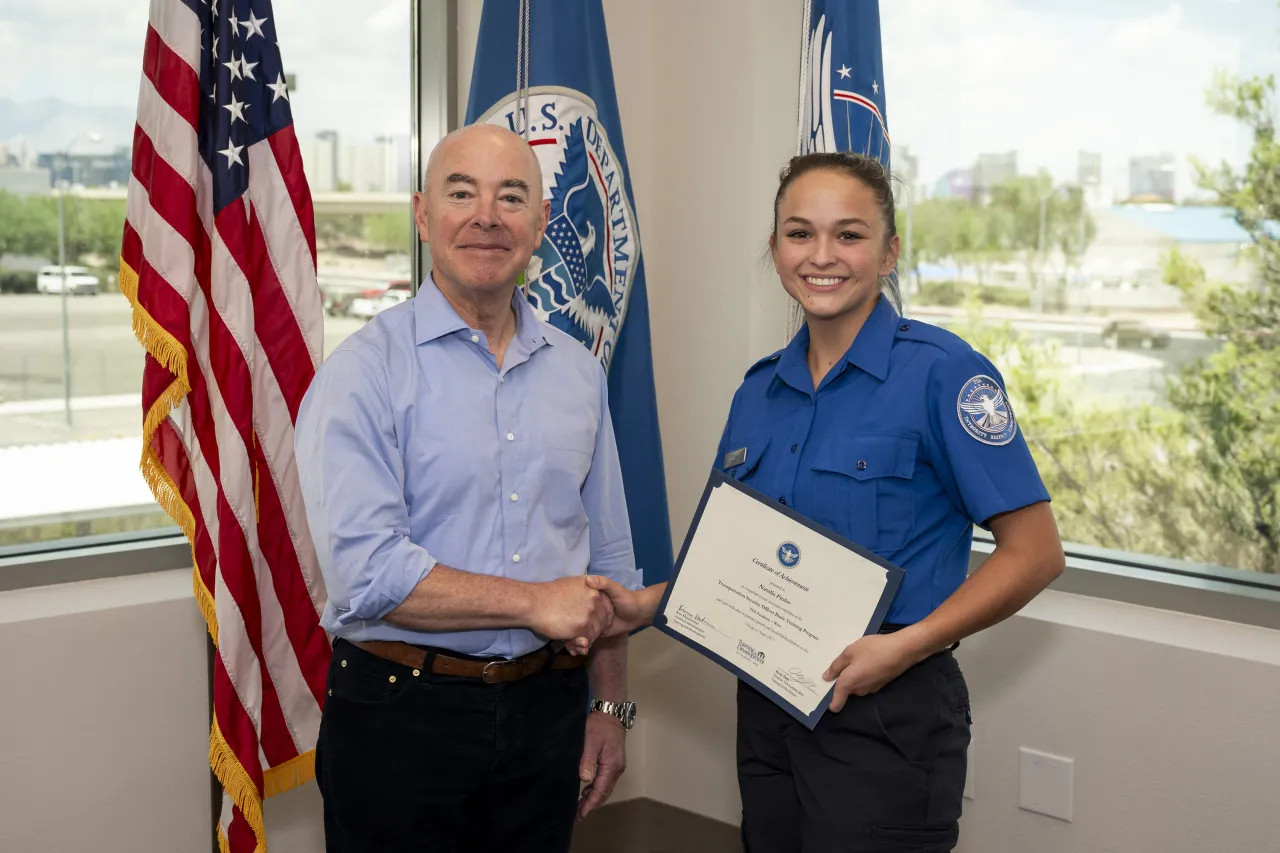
x=849, y=235
x=797, y=235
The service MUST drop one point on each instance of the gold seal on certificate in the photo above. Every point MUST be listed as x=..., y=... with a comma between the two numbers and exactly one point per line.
x=771, y=596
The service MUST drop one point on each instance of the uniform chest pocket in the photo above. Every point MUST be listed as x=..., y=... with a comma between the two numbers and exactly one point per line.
x=862, y=488
x=745, y=456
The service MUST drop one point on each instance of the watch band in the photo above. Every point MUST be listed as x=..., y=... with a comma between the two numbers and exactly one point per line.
x=623, y=712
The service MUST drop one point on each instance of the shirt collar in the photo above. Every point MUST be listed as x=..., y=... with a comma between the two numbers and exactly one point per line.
x=434, y=317
x=869, y=350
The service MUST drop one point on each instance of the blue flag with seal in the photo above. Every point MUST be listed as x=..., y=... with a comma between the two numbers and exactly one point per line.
x=842, y=106
x=542, y=69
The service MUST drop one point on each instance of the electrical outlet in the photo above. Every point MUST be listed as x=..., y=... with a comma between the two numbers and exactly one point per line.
x=1046, y=783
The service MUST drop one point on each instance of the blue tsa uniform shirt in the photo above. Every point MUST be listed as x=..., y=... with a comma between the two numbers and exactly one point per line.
x=906, y=444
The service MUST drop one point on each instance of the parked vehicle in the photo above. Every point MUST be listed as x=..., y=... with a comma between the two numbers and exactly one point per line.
x=367, y=307
x=1133, y=333
x=78, y=279
x=338, y=302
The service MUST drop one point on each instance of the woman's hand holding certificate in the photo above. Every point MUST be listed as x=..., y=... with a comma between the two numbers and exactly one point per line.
x=773, y=597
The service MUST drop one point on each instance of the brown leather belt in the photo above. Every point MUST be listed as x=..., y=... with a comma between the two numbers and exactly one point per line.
x=490, y=672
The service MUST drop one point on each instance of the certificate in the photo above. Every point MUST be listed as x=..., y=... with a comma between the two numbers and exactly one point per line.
x=771, y=596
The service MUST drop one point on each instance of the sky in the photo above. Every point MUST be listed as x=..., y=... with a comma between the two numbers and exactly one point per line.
x=351, y=58
x=1045, y=77
x=1051, y=77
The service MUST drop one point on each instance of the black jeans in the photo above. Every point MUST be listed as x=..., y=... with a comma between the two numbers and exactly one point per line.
x=885, y=775
x=447, y=764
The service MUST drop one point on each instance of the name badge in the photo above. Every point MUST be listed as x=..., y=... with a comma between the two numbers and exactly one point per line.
x=735, y=457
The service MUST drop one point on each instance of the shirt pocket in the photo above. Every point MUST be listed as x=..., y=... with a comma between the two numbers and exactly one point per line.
x=567, y=454
x=746, y=471
x=862, y=488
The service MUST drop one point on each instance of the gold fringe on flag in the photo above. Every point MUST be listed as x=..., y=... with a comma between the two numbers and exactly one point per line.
x=235, y=780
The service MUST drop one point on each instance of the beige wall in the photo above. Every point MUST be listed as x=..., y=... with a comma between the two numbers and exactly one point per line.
x=1171, y=720
x=104, y=722
x=103, y=736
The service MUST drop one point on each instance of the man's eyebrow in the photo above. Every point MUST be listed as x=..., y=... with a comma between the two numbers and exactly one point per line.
x=508, y=183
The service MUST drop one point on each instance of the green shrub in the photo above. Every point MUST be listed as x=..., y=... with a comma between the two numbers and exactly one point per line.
x=17, y=281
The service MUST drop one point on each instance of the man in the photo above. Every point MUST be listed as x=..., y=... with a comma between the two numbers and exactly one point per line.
x=461, y=479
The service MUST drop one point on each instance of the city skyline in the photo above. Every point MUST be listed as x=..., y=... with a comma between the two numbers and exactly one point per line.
x=1047, y=78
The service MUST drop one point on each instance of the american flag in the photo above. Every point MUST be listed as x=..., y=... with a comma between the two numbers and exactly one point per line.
x=218, y=260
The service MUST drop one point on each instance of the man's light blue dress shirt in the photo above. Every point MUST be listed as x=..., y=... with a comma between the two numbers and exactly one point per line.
x=413, y=447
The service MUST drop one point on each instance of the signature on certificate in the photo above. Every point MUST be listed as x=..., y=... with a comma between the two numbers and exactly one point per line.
x=796, y=676
x=686, y=613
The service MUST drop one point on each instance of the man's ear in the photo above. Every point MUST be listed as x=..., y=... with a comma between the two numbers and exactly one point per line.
x=420, y=215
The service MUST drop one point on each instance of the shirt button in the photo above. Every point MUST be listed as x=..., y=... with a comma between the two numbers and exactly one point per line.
x=514, y=496
x=903, y=327
x=515, y=558
x=793, y=447
x=511, y=436
x=862, y=464
x=782, y=501
x=475, y=339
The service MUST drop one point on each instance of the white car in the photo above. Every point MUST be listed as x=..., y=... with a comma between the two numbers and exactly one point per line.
x=367, y=307
x=79, y=280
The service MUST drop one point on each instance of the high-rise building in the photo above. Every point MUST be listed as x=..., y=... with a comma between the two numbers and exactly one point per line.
x=88, y=170
x=906, y=172
x=322, y=164
x=992, y=170
x=1089, y=170
x=1152, y=178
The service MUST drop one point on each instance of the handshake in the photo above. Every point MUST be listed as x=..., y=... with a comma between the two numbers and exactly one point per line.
x=581, y=610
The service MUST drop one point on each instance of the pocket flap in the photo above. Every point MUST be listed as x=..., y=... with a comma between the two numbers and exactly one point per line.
x=745, y=454
x=868, y=455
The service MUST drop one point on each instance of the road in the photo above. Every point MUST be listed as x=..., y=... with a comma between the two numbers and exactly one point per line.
x=106, y=362
x=106, y=365
x=1117, y=377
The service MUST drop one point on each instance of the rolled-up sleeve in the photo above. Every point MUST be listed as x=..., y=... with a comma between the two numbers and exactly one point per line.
x=612, y=554
x=352, y=478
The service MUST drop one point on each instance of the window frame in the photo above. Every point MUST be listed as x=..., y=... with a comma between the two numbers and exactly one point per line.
x=1214, y=591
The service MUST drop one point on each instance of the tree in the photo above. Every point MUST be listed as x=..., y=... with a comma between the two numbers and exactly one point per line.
x=388, y=230
x=1020, y=203
x=12, y=236
x=1200, y=479
x=1231, y=401
x=25, y=228
x=93, y=227
x=1126, y=479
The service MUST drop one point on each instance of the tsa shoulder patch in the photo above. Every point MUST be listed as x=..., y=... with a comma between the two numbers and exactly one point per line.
x=984, y=411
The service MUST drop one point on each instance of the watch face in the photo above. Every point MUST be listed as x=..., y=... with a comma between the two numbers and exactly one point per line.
x=629, y=714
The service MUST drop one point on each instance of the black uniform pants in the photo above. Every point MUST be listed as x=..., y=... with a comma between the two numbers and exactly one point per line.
x=885, y=775
x=447, y=764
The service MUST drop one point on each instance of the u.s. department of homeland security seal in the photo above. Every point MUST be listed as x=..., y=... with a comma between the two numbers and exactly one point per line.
x=788, y=554
x=579, y=279
x=985, y=413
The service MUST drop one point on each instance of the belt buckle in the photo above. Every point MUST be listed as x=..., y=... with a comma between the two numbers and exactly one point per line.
x=484, y=673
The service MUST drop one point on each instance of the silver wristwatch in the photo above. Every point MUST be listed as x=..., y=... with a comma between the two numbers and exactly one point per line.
x=625, y=712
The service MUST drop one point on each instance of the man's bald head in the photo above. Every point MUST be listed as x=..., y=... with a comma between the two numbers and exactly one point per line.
x=479, y=137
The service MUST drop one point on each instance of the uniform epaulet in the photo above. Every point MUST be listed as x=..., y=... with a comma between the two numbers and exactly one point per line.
x=917, y=330
x=768, y=359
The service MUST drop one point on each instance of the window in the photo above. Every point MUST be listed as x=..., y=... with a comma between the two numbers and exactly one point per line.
x=1053, y=214
x=70, y=420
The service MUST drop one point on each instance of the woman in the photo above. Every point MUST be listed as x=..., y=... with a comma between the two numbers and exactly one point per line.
x=896, y=435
